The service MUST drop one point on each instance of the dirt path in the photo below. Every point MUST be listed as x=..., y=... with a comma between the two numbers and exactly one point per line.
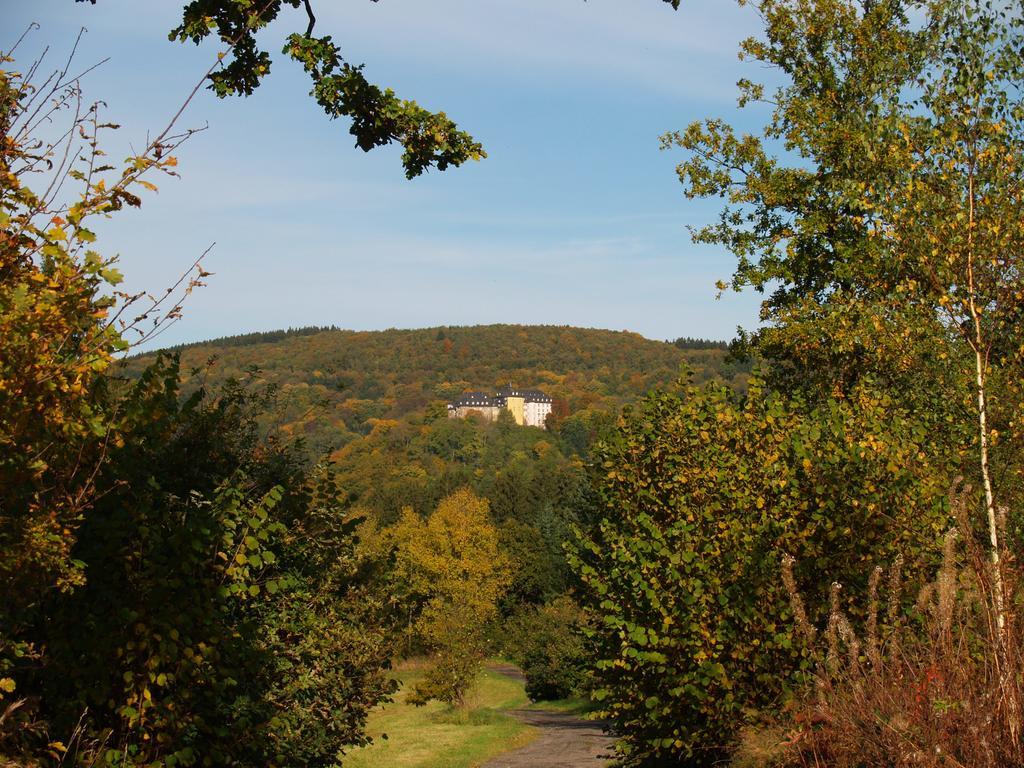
x=565, y=741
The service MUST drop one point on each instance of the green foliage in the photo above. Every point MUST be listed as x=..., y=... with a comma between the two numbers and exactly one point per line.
x=548, y=643
x=340, y=88
x=535, y=493
x=60, y=331
x=534, y=550
x=378, y=117
x=703, y=492
x=257, y=337
x=688, y=342
x=160, y=603
x=377, y=401
x=880, y=207
x=204, y=625
x=891, y=211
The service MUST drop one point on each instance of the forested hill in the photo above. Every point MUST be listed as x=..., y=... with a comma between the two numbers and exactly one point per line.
x=335, y=385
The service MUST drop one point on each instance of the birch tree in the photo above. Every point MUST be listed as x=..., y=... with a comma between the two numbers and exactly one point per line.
x=881, y=209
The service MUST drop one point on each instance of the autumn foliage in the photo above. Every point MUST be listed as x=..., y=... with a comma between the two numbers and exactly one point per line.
x=161, y=602
x=702, y=493
x=451, y=573
x=59, y=328
x=878, y=208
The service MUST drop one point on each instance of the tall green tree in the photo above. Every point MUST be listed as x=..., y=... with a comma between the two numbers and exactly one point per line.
x=881, y=207
x=880, y=211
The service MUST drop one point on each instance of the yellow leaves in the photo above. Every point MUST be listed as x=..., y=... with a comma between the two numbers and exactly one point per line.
x=453, y=557
x=149, y=185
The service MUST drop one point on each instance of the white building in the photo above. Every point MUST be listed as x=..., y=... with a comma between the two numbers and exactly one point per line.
x=529, y=407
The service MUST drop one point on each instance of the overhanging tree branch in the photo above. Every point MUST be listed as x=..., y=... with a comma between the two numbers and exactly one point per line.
x=312, y=18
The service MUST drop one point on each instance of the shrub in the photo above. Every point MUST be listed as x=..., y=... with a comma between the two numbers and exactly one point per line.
x=209, y=628
x=701, y=491
x=548, y=643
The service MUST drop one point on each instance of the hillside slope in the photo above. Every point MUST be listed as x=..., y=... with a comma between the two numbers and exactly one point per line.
x=335, y=385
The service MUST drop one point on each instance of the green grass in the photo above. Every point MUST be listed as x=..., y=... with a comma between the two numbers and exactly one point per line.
x=577, y=705
x=438, y=736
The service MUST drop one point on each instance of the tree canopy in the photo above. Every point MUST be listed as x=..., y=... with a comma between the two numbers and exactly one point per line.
x=879, y=209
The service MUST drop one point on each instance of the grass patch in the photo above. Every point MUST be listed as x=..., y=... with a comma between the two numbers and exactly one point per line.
x=439, y=736
x=577, y=705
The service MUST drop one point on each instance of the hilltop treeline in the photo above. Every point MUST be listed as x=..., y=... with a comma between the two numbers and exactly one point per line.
x=256, y=337
x=688, y=342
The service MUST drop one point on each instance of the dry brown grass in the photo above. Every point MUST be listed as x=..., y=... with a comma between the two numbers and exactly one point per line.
x=938, y=688
x=764, y=747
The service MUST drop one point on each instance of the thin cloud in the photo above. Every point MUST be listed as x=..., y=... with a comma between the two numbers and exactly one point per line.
x=645, y=43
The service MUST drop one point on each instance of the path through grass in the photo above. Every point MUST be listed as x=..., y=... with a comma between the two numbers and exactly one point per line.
x=436, y=736
x=578, y=705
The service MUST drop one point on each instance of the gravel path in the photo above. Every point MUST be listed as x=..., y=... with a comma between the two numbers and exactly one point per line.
x=565, y=741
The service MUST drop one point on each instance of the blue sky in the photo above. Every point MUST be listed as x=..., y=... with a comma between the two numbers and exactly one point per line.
x=575, y=217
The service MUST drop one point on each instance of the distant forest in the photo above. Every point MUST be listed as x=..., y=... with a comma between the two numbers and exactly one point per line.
x=257, y=337
x=332, y=386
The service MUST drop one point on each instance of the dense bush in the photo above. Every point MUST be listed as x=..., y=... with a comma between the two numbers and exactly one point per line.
x=55, y=344
x=703, y=492
x=549, y=645
x=206, y=629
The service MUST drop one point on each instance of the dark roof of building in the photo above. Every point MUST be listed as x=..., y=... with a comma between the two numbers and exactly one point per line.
x=473, y=399
x=482, y=399
x=529, y=395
